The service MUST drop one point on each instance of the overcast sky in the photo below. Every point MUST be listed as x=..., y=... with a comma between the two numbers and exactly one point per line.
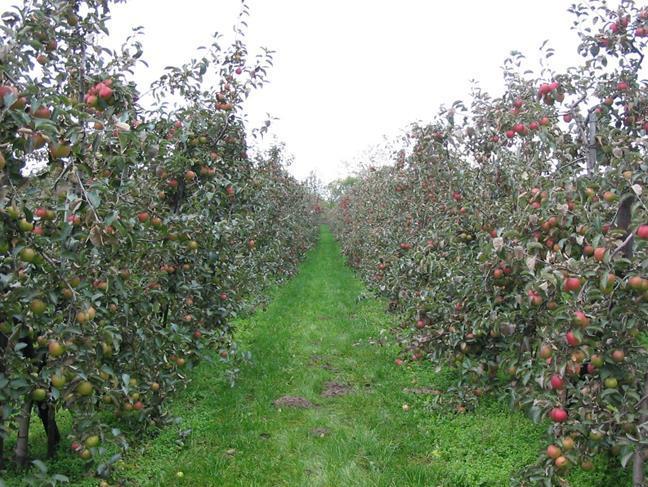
x=348, y=72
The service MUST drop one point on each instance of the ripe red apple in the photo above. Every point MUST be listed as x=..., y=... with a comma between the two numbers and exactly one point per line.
x=143, y=216
x=510, y=134
x=622, y=85
x=557, y=382
x=572, y=339
x=599, y=253
x=558, y=415
x=567, y=117
x=642, y=232
x=618, y=356
x=572, y=284
x=588, y=250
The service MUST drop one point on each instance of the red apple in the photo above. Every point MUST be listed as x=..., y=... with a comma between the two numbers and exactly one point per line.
x=572, y=339
x=557, y=382
x=642, y=232
x=558, y=415
x=572, y=284
x=553, y=451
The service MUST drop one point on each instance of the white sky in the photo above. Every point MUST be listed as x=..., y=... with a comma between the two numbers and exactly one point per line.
x=348, y=72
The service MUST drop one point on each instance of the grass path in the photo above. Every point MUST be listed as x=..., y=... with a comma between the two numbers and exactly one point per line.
x=316, y=331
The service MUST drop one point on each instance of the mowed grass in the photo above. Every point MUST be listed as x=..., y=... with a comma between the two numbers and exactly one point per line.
x=317, y=330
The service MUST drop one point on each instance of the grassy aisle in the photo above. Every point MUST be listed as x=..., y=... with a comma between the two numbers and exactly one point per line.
x=315, y=332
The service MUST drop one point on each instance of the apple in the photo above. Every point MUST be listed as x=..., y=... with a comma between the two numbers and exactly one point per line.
x=568, y=443
x=642, y=232
x=55, y=349
x=561, y=462
x=599, y=254
x=498, y=273
x=42, y=112
x=596, y=435
x=39, y=394
x=588, y=250
x=622, y=85
x=611, y=383
x=558, y=415
x=510, y=134
x=155, y=387
x=38, y=306
x=581, y=319
x=545, y=351
x=58, y=381
x=596, y=360
x=143, y=216
x=25, y=226
x=618, y=356
x=60, y=150
x=553, y=451
x=92, y=441
x=572, y=284
x=84, y=388
x=572, y=339
x=557, y=382
x=567, y=117
x=398, y=361
x=27, y=254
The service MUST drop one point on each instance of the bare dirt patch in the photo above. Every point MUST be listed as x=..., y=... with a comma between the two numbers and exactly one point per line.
x=293, y=402
x=334, y=389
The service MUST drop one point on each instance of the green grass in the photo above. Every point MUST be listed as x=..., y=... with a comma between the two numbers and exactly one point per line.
x=317, y=330
x=314, y=331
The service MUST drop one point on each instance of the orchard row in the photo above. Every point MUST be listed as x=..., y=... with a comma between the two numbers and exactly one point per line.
x=129, y=236
x=511, y=233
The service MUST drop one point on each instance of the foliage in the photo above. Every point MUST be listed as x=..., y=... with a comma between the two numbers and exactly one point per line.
x=509, y=234
x=129, y=236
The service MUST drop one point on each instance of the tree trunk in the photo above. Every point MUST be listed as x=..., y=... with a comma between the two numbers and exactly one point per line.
x=638, y=476
x=22, y=443
x=47, y=414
